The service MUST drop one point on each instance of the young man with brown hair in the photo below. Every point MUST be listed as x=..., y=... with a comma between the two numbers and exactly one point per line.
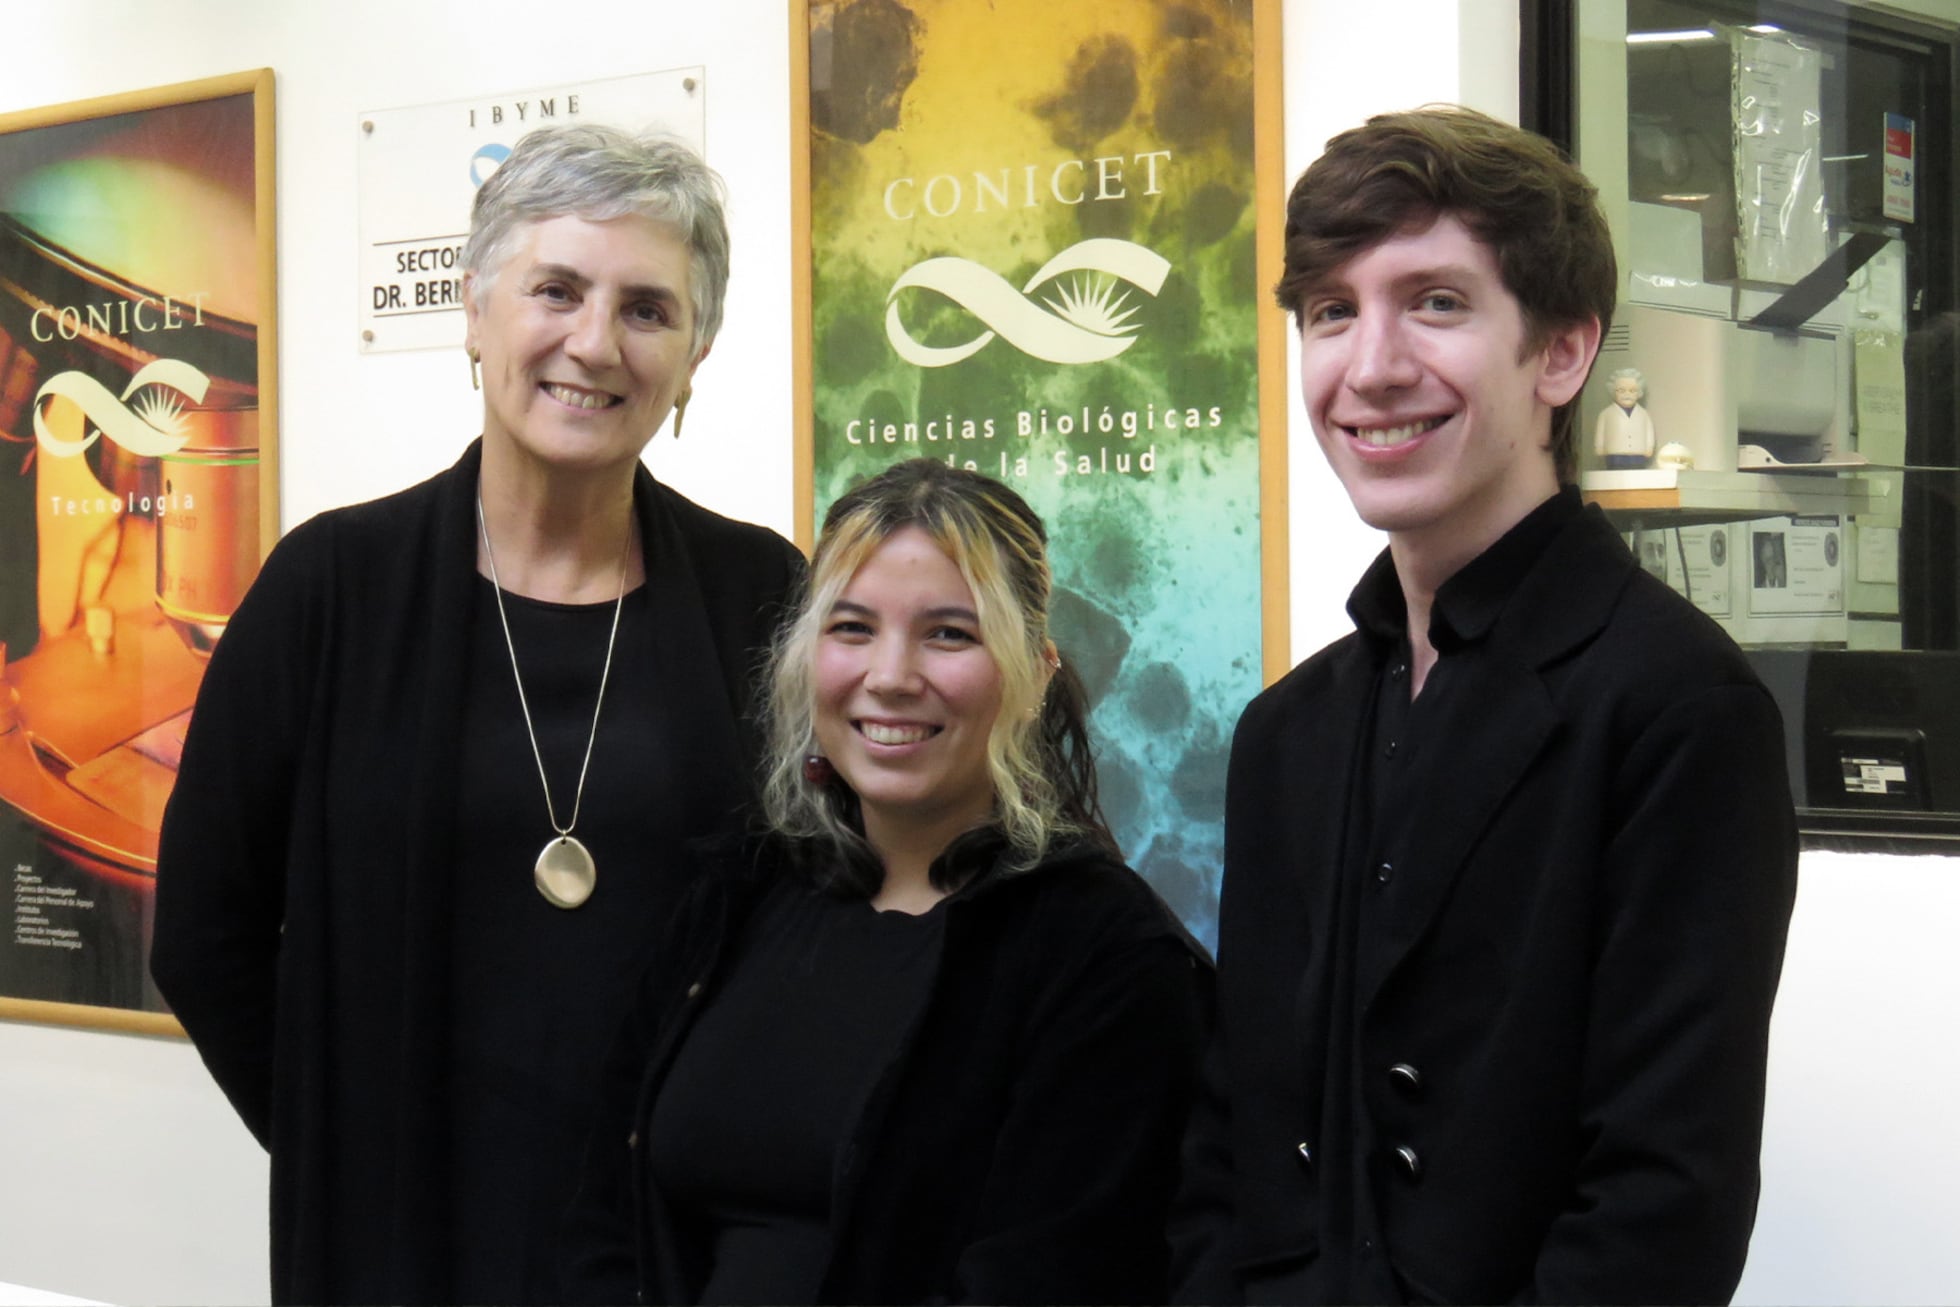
x=1508, y=870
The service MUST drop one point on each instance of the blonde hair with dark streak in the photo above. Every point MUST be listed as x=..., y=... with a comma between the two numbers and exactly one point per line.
x=1038, y=751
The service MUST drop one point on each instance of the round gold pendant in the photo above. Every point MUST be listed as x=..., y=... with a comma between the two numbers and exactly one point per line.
x=565, y=873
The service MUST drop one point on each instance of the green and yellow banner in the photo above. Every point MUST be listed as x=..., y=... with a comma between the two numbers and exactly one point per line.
x=1033, y=253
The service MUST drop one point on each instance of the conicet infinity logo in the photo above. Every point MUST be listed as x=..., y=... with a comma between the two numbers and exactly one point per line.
x=1085, y=321
x=153, y=428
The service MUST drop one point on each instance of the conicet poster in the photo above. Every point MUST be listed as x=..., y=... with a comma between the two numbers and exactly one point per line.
x=130, y=443
x=1033, y=253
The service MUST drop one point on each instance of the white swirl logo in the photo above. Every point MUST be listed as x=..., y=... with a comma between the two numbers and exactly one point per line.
x=153, y=428
x=1086, y=321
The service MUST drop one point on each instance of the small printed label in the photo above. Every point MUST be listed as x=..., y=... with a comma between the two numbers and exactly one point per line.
x=1874, y=776
x=1899, y=167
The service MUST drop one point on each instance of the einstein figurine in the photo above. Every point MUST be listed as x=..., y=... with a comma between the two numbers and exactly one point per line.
x=1623, y=437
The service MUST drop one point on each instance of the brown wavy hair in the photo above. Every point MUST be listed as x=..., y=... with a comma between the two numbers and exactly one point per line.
x=1513, y=189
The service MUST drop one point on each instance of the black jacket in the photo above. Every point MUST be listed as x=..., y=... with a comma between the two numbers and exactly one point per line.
x=1576, y=955
x=306, y=861
x=1021, y=1146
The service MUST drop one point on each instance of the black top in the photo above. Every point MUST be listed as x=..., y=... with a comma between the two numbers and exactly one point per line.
x=529, y=1035
x=745, y=1134
x=1353, y=1264
x=1017, y=1145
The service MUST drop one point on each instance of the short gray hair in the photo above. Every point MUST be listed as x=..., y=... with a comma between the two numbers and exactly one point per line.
x=598, y=173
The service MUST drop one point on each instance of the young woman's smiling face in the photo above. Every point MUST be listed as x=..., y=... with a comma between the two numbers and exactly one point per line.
x=586, y=335
x=907, y=694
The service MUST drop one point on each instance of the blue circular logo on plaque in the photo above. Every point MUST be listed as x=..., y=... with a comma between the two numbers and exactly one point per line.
x=486, y=161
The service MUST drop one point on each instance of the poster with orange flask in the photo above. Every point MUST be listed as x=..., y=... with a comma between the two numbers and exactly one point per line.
x=137, y=497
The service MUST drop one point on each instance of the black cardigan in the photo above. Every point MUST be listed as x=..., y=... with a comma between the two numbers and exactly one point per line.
x=306, y=855
x=1020, y=1147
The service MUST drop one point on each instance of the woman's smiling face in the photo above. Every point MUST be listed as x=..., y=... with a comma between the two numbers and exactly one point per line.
x=907, y=693
x=585, y=335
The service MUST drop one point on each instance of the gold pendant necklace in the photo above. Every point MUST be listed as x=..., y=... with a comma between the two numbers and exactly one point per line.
x=564, y=873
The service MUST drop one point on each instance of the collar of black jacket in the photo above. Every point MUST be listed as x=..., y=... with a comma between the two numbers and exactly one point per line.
x=1468, y=604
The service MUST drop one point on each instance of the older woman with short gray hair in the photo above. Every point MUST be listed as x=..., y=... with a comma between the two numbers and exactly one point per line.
x=438, y=781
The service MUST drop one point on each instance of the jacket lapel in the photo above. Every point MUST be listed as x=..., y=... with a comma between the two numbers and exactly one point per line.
x=704, y=685
x=1326, y=742
x=1492, y=730
x=1492, y=738
x=1323, y=826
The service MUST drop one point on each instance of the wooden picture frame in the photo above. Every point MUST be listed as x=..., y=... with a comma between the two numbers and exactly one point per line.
x=138, y=494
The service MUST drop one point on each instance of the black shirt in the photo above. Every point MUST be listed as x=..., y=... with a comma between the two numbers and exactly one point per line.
x=537, y=992
x=767, y=1088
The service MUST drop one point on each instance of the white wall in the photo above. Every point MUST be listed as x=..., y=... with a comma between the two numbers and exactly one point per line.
x=1860, y=1144
x=122, y=1174
x=126, y=1176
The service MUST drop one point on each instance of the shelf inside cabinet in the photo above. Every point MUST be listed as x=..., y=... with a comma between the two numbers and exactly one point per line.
x=1690, y=497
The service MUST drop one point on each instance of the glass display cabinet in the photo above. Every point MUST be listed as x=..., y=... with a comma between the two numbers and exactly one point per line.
x=1772, y=420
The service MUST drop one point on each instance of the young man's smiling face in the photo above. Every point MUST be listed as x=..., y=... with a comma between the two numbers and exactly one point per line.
x=1414, y=373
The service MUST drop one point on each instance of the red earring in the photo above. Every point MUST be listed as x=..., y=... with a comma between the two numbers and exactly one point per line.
x=817, y=770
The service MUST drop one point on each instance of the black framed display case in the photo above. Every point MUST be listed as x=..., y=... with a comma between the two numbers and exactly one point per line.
x=1781, y=180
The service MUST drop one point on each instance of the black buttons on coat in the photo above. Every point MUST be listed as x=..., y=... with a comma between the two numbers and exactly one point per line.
x=1385, y=872
x=1305, y=1150
x=1408, y=1083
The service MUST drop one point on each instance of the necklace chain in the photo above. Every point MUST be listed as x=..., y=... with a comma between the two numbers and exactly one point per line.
x=578, y=796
